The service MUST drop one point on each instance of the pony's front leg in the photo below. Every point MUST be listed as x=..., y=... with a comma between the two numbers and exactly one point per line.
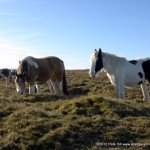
x=37, y=88
x=145, y=91
x=56, y=87
x=32, y=89
x=119, y=90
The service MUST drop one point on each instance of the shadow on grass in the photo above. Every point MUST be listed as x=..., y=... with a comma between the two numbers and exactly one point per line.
x=79, y=91
x=39, y=98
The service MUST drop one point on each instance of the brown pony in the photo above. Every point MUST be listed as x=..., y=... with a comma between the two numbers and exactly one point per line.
x=6, y=73
x=39, y=70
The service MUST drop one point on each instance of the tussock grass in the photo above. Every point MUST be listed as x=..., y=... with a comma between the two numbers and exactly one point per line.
x=90, y=119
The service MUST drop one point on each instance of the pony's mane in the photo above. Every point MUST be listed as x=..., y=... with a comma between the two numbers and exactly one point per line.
x=112, y=62
x=143, y=59
x=113, y=57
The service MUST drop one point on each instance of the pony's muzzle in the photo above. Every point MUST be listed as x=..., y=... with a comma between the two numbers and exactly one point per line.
x=92, y=74
x=20, y=91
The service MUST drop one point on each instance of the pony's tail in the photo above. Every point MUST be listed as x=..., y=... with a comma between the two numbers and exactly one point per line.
x=65, y=87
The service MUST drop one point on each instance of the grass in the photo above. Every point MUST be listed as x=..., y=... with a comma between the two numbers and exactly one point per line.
x=91, y=119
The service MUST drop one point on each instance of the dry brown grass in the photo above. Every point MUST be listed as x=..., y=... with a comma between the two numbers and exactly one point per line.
x=90, y=117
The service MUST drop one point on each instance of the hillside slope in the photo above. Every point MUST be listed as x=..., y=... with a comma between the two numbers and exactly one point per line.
x=91, y=119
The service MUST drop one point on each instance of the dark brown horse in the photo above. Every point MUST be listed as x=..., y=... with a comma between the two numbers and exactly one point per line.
x=6, y=73
x=39, y=70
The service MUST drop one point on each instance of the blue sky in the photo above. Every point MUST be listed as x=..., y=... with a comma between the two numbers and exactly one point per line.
x=72, y=29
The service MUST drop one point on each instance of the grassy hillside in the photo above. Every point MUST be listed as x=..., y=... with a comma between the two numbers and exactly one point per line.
x=90, y=119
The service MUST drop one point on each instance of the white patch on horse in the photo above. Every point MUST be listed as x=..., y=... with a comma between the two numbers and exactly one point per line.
x=31, y=62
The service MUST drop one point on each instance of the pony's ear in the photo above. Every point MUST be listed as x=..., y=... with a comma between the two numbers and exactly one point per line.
x=100, y=49
x=95, y=50
x=100, y=53
x=19, y=62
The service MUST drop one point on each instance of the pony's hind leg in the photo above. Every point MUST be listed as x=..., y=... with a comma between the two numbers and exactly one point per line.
x=50, y=86
x=60, y=84
x=32, y=89
x=145, y=91
x=37, y=88
x=56, y=87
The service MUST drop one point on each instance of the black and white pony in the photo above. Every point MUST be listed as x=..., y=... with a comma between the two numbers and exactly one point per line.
x=122, y=72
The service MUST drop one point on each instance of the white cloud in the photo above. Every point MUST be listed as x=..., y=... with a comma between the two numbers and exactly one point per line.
x=11, y=53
